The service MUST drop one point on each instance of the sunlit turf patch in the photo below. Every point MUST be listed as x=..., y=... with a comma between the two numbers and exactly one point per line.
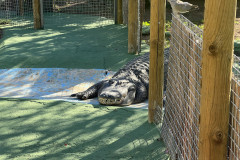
x=37, y=129
x=4, y=21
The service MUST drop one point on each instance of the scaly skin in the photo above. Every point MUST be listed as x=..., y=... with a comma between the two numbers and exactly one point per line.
x=127, y=86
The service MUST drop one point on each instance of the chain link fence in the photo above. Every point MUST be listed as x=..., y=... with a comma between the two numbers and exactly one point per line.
x=179, y=125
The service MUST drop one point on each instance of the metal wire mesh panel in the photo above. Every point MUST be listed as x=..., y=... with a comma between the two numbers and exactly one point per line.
x=20, y=12
x=16, y=12
x=180, y=128
x=234, y=123
x=84, y=11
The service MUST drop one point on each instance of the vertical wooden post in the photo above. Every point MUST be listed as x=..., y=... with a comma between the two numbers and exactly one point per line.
x=125, y=11
x=216, y=77
x=38, y=14
x=132, y=26
x=156, y=70
x=21, y=7
x=119, y=12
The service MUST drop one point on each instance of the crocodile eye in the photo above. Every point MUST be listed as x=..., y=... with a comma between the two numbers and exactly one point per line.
x=121, y=84
x=110, y=81
x=131, y=88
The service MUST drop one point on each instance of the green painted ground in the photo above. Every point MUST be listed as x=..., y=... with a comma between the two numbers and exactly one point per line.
x=74, y=41
x=36, y=129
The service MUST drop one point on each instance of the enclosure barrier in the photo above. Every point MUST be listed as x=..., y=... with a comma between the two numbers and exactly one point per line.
x=179, y=126
x=135, y=19
x=20, y=12
x=38, y=14
x=156, y=68
x=234, y=122
x=217, y=55
x=16, y=12
x=118, y=12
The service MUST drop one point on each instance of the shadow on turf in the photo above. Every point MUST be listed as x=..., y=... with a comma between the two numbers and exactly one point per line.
x=68, y=42
x=34, y=129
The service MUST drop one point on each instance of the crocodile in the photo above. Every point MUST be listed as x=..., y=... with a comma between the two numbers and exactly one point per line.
x=127, y=86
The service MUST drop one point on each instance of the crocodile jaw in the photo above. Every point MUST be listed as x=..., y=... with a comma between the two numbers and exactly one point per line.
x=109, y=101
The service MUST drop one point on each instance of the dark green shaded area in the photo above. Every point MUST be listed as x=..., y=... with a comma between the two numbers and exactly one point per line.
x=37, y=129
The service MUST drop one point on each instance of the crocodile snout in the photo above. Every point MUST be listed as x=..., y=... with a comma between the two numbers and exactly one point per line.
x=110, y=98
x=110, y=95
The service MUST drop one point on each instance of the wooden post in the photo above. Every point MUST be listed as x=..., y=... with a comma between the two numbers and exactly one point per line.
x=38, y=14
x=156, y=70
x=132, y=26
x=216, y=77
x=21, y=7
x=119, y=12
x=125, y=11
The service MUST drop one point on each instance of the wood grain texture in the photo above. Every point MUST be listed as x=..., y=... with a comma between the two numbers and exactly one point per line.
x=216, y=75
x=119, y=12
x=21, y=7
x=37, y=14
x=132, y=26
x=156, y=70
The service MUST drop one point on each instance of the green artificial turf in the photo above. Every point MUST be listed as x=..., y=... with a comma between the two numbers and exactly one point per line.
x=55, y=130
x=37, y=129
x=71, y=41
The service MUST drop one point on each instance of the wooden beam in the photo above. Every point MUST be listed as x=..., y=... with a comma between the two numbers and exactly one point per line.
x=125, y=11
x=216, y=77
x=132, y=26
x=156, y=70
x=38, y=14
x=119, y=12
x=21, y=7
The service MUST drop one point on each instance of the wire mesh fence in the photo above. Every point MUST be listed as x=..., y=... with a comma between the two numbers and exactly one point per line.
x=16, y=12
x=180, y=123
x=20, y=12
x=91, y=11
x=234, y=123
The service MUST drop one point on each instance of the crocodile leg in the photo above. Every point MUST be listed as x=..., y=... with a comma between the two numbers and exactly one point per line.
x=90, y=92
x=141, y=93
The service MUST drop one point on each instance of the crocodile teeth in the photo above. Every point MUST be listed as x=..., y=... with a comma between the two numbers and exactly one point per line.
x=102, y=100
x=109, y=101
x=118, y=101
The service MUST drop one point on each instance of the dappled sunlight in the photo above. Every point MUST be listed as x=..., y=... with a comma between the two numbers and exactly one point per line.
x=134, y=144
x=24, y=140
x=38, y=67
x=46, y=83
x=69, y=42
x=48, y=129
